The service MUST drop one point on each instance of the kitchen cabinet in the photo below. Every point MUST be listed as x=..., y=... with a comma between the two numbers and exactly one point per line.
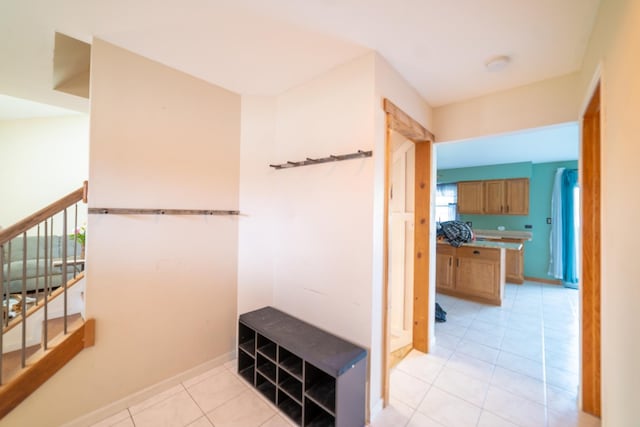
x=514, y=268
x=445, y=256
x=476, y=273
x=470, y=197
x=517, y=196
x=494, y=197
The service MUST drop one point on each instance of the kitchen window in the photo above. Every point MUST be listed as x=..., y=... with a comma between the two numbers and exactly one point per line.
x=446, y=202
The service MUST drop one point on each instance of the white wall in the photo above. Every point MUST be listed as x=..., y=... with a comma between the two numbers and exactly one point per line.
x=308, y=230
x=614, y=47
x=43, y=159
x=539, y=104
x=162, y=289
x=256, y=234
x=389, y=84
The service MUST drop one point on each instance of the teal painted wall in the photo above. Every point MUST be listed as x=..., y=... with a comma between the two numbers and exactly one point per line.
x=541, y=175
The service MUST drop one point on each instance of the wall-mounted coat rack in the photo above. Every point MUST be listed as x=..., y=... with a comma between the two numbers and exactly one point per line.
x=331, y=158
x=127, y=211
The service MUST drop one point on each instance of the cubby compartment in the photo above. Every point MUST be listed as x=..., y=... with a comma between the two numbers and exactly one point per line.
x=302, y=369
x=247, y=339
x=266, y=387
x=290, y=385
x=290, y=407
x=315, y=416
x=320, y=387
x=266, y=367
x=246, y=366
x=267, y=347
x=290, y=363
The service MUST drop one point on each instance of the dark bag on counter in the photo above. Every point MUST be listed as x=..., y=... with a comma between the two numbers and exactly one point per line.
x=456, y=232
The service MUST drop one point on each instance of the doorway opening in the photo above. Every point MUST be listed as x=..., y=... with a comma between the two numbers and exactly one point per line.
x=588, y=299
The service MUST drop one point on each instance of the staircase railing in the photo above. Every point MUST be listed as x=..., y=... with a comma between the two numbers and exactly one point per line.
x=40, y=260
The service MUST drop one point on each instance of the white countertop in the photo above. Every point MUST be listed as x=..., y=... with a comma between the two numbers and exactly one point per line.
x=488, y=244
x=510, y=234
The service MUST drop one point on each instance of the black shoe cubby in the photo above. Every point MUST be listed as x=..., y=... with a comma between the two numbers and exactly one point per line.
x=315, y=378
x=266, y=367
x=266, y=387
x=246, y=366
x=247, y=339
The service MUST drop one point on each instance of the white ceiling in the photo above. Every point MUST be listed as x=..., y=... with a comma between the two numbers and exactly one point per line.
x=266, y=47
x=15, y=108
x=548, y=144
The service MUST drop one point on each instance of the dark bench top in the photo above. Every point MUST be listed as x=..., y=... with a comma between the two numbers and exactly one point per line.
x=325, y=351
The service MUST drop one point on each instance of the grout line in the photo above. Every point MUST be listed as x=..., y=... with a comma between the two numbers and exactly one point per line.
x=131, y=417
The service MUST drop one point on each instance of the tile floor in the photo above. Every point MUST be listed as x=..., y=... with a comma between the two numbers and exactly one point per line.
x=515, y=365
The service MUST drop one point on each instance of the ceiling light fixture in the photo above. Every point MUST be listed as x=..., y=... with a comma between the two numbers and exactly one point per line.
x=497, y=63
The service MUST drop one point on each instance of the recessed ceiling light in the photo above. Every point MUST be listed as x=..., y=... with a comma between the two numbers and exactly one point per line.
x=497, y=63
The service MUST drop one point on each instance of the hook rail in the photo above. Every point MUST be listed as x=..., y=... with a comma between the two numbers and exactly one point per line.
x=128, y=211
x=332, y=158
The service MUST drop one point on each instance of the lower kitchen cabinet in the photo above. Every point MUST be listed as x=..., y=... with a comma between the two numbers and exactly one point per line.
x=313, y=377
x=471, y=272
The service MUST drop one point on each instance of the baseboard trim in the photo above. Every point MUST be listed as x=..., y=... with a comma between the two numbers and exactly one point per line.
x=539, y=280
x=142, y=395
x=376, y=408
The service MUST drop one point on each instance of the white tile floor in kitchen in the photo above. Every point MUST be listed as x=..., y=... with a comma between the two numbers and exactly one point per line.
x=515, y=365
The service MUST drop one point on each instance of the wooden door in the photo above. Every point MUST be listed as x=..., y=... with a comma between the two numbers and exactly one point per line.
x=401, y=241
x=514, y=266
x=494, y=197
x=470, y=194
x=517, y=196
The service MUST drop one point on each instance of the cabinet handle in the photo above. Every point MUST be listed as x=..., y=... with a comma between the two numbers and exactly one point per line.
x=476, y=252
x=501, y=208
x=458, y=262
x=507, y=208
x=450, y=262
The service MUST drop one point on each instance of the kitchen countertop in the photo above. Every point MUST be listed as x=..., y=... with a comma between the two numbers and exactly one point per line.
x=510, y=234
x=488, y=244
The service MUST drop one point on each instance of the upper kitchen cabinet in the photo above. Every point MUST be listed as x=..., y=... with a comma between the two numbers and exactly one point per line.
x=517, y=196
x=470, y=197
x=495, y=197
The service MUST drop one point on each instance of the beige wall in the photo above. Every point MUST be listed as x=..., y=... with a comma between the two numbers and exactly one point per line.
x=543, y=103
x=43, y=159
x=162, y=289
x=614, y=47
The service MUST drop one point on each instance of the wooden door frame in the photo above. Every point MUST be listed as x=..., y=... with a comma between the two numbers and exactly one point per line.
x=400, y=122
x=590, y=279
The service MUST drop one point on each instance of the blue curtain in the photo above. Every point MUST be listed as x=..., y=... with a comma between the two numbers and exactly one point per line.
x=569, y=229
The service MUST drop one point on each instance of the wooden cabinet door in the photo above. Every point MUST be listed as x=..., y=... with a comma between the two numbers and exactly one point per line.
x=494, y=197
x=514, y=269
x=478, y=272
x=470, y=197
x=517, y=196
x=445, y=278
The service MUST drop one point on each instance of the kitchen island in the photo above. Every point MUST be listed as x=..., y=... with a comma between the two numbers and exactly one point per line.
x=474, y=271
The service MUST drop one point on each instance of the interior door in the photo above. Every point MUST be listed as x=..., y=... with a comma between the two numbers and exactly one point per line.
x=401, y=244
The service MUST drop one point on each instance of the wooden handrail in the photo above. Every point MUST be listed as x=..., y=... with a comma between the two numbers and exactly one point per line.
x=34, y=219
